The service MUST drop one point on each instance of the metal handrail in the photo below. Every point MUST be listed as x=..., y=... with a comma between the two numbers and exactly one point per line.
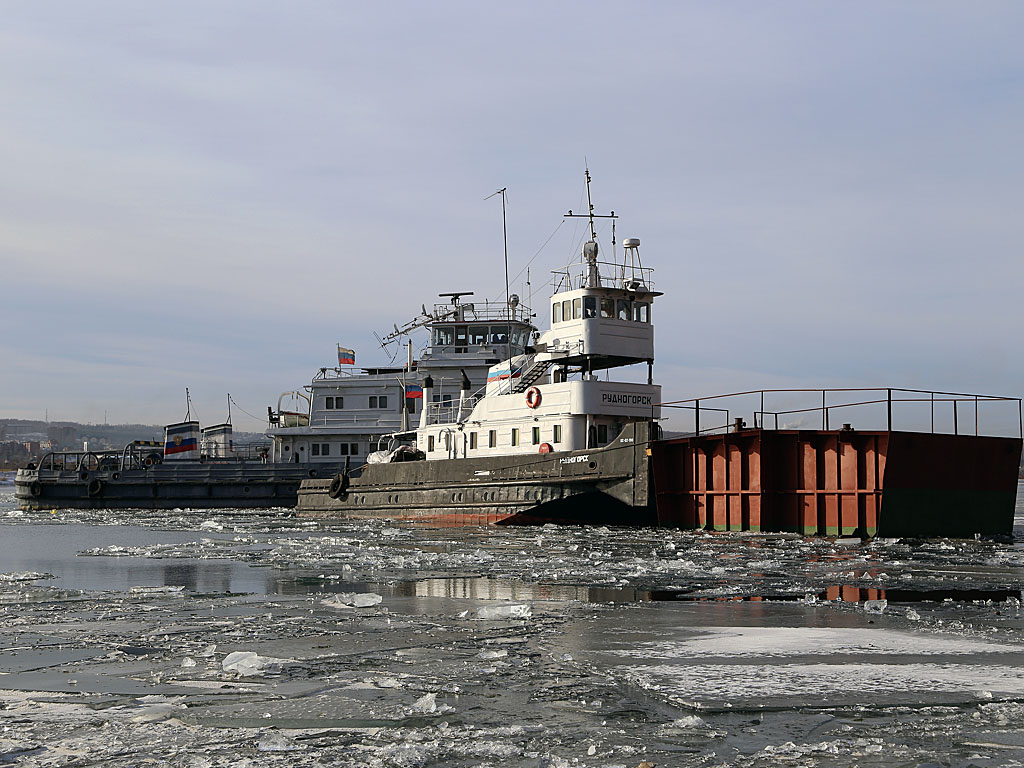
x=934, y=396
x=482, y=311
x=618, y=273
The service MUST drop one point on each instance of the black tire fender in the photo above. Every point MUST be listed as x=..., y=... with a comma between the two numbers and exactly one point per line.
x=339, y=485
x=36, y=489
x=95, y=487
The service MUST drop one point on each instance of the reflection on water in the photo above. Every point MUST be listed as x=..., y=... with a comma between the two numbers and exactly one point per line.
x=54, y=549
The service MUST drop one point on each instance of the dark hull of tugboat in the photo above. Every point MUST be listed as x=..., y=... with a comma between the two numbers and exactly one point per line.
x=808, y=482
x=214, y=485
x=601, y=486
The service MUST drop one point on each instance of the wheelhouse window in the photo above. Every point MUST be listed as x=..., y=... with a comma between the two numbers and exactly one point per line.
x=607, y=307
x=577, y=309
x=499, y=334
x=566, y=310
x=478, y=334
x=461, y=335
x=644, y=315
x=556, y=312
x=623, y=310
x=444, y=336
x=589, y=307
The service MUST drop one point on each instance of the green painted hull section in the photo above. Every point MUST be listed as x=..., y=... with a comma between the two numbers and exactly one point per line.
x=946, y=512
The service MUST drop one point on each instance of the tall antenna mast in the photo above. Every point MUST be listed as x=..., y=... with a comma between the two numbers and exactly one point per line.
x=590, y=205
x=504, y=234
x=593, y=278
x=508, y=296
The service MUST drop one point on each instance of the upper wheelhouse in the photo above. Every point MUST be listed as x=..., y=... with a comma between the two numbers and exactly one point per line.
x=602, y=315
x=488, y=329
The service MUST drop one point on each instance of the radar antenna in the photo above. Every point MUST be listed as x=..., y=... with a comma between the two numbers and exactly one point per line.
x=426, y=318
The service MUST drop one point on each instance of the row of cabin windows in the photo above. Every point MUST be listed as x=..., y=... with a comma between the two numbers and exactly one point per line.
x=376, y=401
x=344, y=449
x=492, y=437
x=464, y=335
x=588, y=306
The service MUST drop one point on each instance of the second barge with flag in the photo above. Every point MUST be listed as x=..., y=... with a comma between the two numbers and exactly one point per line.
x=340, y=419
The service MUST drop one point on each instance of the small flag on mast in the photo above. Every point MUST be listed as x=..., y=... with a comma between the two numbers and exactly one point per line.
x=413, y=391
x=346, y=356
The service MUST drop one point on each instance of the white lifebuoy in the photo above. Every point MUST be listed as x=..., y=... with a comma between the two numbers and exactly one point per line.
x=532, y=397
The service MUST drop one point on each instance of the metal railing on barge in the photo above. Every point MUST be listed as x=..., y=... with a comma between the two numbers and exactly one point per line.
x=136, y=455
x=764, y=418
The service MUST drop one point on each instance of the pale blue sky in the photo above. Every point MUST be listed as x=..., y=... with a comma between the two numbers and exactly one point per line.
x=212, y=195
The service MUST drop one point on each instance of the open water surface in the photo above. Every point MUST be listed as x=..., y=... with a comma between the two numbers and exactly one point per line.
x=380, y=644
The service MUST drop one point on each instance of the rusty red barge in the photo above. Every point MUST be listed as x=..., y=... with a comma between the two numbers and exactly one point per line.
x=844, y=482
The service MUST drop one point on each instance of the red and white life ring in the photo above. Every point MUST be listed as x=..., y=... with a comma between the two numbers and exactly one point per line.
x=532, y=397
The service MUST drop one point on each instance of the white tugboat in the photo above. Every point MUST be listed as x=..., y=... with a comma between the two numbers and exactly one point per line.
x=348, y=416
x=547, y=437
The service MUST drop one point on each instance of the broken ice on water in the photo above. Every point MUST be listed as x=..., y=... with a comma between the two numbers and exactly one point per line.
x=212, y=639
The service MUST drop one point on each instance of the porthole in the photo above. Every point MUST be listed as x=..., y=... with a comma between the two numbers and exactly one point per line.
x=592, y=465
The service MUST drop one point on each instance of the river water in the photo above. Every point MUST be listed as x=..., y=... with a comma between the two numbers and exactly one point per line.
x=250, y=638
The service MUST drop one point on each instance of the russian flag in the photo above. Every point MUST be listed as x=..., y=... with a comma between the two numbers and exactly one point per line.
x=413, y=391
x=346, y=356
x=180, y=446
x=503, y=374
